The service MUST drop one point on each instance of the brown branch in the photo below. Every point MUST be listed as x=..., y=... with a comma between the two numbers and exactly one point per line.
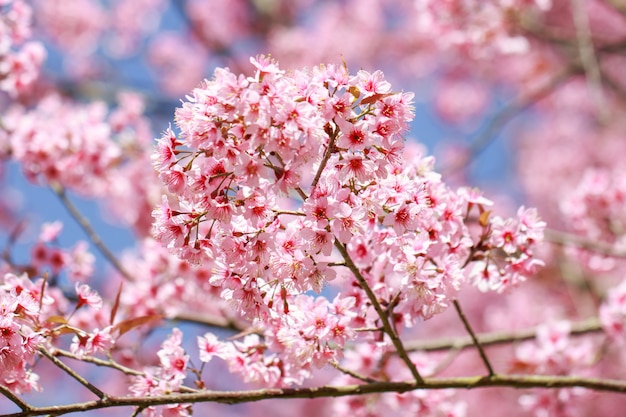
x=91, y=233
x=110, y=364
x=587, y=56
x=497, y=338
x=99, y=362
x=570, y=239
x=388, y=328
x=613, y=85
x=209, y=320
x=326, y=157
x=353, y=374
x=475, y=341
x=239, y=397
x=100, y=394
x=506, y=114
x=9, y=394
x=618, y=5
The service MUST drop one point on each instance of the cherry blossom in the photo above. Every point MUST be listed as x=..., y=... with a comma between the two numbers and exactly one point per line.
x=301, y=242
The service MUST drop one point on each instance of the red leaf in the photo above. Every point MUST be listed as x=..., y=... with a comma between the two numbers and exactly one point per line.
x=128, y=325
x=116, y=304
x=374, y=98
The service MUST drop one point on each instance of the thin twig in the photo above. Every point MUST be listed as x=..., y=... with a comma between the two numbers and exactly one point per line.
x=91, y=233
x=9, y=394
x=613, y=85
x=497, y=338
x=137, y=411
x=587, y=56
x=289, y=212
x=111, y=364
x=505, y=115
x=618, y=5
x=469, y=329
x=397, y=343
x=99, y=362
x=100, y=394
x=570, y=239
x=209, y=320
x=325, y=158
x=353, y=374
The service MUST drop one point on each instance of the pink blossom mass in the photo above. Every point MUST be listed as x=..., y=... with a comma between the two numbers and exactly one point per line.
x=313, y=208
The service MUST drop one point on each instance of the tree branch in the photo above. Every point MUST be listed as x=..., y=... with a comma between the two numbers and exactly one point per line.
x=353, y=374
x=111, y=364
x=505, y=115
x=100, y=394
x=239, y=397
x=7, y=393
x=587, y=56
x=497, y=338
x=325, y=158
x=388, y=328
x=91, y=233
x=475, y=341
x=570, y=239
x=99, y=362
x=209, y=320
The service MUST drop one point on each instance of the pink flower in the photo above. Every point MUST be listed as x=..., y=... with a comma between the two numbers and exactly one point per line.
x=505, y=234
x=356, y=167
x=87, y=296
x=403, y=219
x=50, y=231
x=371, y=83
x=94, y=342
x=209, y=346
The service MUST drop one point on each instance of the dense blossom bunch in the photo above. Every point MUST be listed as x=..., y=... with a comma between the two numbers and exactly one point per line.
x=595, y=209
x=31, y=318
x=553, y=352
x=76, y=154
x=35, y=313
x=483, y=27
x=79, y=27
x=516, y=239
x=299, y=241
x=20, y=306
x=88, y=149
x=20, y=58
x=613, y=312
x=165, y=378
x=282, y=182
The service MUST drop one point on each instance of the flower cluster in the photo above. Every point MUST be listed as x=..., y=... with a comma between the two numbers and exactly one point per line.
x=595, y=209
x=554, y=353
x=20, y=59
x=89, y=150
x=247, y=145
x=33, y=315
x=613, y=312
x=46, y=256
x=166, y=378
x=483, y=27
x=76, y=153
x=515, y=260
x=284, y=182
x=20, y=301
